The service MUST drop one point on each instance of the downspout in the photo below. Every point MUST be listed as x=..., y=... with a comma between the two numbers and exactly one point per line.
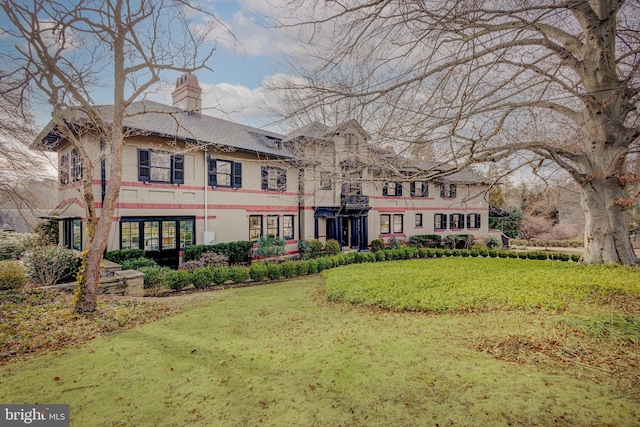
x=206, y=192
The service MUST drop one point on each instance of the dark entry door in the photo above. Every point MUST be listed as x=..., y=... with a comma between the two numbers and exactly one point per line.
x=344, y=242
x=161, y=242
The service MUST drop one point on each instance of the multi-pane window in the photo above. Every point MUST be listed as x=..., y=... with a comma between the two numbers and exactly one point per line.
x=64, y=169
x=419, y=189
x=440, y=222
x=448, y=191
x=385, y=224
x=152, y=235
x=129, y=235
x=325, y=181
x=255, y=227
x=225, y=173
x=76, y=241
x=473, y=221
x=456, y=221
x=76, y=165
x=186, y=233
x=169, y=235
x=419, y=220
x=392, y=189
x=274, y=179
x=397, y=223
x=287, y=227
x=160, y=166
x=273, y=225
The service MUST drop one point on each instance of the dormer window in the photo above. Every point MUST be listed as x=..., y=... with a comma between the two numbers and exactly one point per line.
x=448, y=191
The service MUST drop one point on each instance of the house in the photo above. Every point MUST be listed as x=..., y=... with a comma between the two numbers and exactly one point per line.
x=188, y=178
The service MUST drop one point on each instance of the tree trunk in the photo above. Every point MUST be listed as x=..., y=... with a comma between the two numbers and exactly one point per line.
x=606, y=233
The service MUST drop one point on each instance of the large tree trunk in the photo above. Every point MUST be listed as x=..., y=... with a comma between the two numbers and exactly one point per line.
x=606, y=234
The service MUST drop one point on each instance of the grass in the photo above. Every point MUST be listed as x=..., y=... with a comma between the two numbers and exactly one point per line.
x=281, y=354
x=462, y=284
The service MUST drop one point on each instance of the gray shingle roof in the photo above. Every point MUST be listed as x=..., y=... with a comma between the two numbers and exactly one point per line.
x=148, y=117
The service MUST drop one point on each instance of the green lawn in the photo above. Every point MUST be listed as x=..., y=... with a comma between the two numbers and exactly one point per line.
x=281, y=355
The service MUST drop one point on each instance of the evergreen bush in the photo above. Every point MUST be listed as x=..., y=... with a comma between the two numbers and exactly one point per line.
x=332, y=247
x=178, y=279
x=274, y=271
x=239, y=274
x=202, y=277
x=258, y=271
x=12, y=275
x=220, y=275
x=48, y=265
x=377, y=245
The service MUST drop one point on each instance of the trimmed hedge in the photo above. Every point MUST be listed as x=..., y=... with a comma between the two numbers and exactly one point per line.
x=238, y=252
x=123, y=255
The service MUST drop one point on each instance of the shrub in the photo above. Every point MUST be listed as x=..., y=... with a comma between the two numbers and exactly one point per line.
x=12, y=275
x=483, y=252
x=492, y=253
x=11, y=249
x=474, y=253
x=430, y=253
x=390, y=254
x=439, y=253
x=239, y=252
x=425, y=241
x=258, y=271
x=379, y=256
x=492, y=243
x=208, y=259
x=332, y=247
x=288, y=269
x=479, y=246
x=239, y=274
x=302, y=268
x=202, y=277
x=370, y=257
x=523, y=255
x=350, y=257
x=269, y=246
x=563, y=257
x=220, y=275
x=575, y=258
x=178, y=279
x=47, y=265
x=137, y=263
x=303, y=249
x=123, y=255
x=155, y=278
x=274, y=271
x=328, y=261
x=315, y=248
x=360, y=258
x=394, y=242
x=377, y=245
x=503, y=254
x=464, y=253
x=313, y=266
x=321, y=264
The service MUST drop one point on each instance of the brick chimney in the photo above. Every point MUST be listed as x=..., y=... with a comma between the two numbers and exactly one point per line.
x=187, y=95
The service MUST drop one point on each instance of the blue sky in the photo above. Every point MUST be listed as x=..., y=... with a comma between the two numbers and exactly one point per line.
x=234, y=90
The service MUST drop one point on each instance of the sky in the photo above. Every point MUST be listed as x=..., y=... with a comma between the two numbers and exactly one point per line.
x=235, y=89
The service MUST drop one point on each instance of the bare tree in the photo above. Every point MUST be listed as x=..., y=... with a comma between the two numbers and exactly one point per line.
x=22, y=171
x=65, y=51
x=555, y=82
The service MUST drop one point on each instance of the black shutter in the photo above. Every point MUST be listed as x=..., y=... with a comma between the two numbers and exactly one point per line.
x=425, y=189
x=469, y=220
x=265, y=178
x=236, y=169
x=435, y=222
x=282, y=180
x=452, y=191
x=144, y=167
x=412, y=189
x=398, y=189
x=442, y=190
x=177, y=165
x=213, y=176
x=385, y=191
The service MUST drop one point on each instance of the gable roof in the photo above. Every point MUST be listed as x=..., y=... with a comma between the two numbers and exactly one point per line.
x=153, y=118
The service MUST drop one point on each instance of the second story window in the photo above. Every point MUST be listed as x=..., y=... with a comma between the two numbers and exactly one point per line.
x=160, y=166
x=274, y=179
x=473, y=220
x=448, y=191
x=325, y=181
x=76, y=165
x=419, y=189
x=392, y=189
x=225, y=173
x=64, y=169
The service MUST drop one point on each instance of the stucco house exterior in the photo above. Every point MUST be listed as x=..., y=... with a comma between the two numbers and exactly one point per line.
x=189, y=178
